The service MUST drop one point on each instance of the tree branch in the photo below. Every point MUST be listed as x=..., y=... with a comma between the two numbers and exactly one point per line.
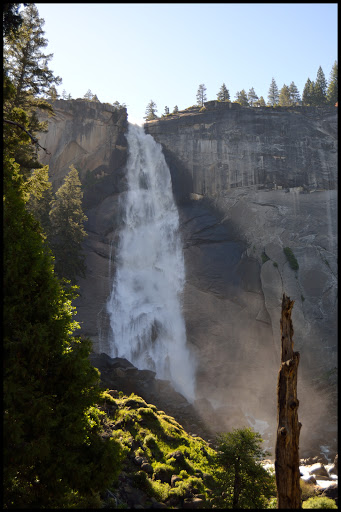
x=34, y=140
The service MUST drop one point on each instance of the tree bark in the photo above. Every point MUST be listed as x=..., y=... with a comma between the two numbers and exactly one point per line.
x=288, y=426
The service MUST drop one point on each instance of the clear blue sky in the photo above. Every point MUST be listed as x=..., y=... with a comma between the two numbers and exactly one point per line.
x=133, y=53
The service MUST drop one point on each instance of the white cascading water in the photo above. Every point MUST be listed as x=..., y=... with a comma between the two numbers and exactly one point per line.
x=145, y=307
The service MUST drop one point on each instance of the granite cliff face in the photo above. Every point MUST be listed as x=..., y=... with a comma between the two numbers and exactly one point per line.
x=249, y=183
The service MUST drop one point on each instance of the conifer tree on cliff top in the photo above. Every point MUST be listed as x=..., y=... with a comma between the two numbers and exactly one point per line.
x=252, y=97
x=320, y=88
x=223, y=94
x=151, y=111
x=273, y=95
x=201, y=95
x=332, y=91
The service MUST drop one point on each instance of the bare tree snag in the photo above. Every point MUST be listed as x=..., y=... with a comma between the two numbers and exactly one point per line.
x=288, y=427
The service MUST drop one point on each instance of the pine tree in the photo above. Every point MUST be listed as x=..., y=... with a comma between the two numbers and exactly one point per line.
x=320, y=88
x=294, y=94
x=53, y=452
x=166, y=111
x=332, y=91
x=273, y=95
x=151, y=111
x=88, y=95
x=26, y=65
x=52, y=444
x=201, y=95
x=284, y=99
x=27, y=73
x=241, y=98
x=11, y=19
x=67, y=227
x=175, y=109
x=38, y=195
x=307, y=93
x=260, y=102
x=244, y=481
x=223, y=94
x=252, y=97
x=52, y=93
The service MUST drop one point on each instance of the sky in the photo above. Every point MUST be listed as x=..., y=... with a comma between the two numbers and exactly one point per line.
x=135, y=53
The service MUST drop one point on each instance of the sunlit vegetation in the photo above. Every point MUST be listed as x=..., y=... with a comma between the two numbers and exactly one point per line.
x=291, y=258
x=316, y=93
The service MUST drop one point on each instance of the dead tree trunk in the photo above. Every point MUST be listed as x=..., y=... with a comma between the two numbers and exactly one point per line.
x=288, y=426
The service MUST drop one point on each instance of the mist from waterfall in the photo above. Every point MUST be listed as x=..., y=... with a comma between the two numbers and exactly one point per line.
x=145, y=305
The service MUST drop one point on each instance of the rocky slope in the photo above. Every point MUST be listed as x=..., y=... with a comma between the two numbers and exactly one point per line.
x=166, y=464
x=249, y=183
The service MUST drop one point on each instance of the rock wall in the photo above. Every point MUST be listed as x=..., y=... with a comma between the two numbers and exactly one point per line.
x=249, y=182
x=91, y=136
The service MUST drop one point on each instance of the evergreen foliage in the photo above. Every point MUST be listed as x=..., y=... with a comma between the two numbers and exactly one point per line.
x=88, y=95
x=284, y=99
x=294, y=94
x=52, y=446
x=151, y=111
x=11, y=18
x=273, y=95
x=67, y=228
x=223, y=94
x=245, y=483
x=175, y=109
x=201, y=95
x=320, y=88
x=307, y=93
x=252, y=97
x=332, y=91
x=241, y=98
x=39, y=195
x=260, y=102
x=27, y=73
x=54, y=453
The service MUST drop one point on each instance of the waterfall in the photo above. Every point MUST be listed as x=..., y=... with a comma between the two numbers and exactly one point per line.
x=145, y=305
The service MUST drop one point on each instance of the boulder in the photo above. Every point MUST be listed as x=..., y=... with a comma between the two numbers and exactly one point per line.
x=145, y=466
x=177, y=455
x=193, y=503
x=318, y=470
x=174, y=479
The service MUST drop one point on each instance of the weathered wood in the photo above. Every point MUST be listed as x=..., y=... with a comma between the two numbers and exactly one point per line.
x=288, y=427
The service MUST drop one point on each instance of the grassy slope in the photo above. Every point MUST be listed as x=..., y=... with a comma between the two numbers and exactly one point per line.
x=156, y=447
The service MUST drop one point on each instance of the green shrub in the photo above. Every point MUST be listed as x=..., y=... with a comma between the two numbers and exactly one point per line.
x=272, y=503
x=147, y=411
x=308, y=490
x=264, y=257
x=159, y=490
x=319, y=502
x=291, y=258
x=150, y=441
